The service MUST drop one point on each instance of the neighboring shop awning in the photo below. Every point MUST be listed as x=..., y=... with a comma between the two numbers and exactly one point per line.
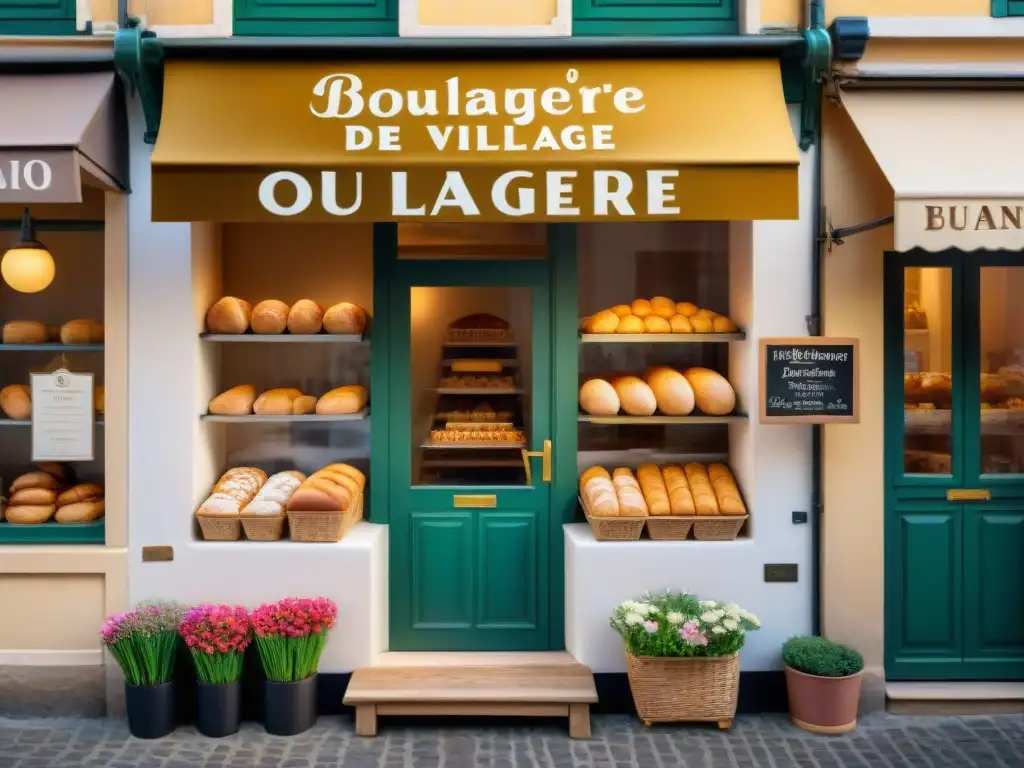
x=482, y=141
x=954, y=161
x=56, y=128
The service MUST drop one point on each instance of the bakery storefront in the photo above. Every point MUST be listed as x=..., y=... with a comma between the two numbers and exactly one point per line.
x=63, y=385
x=385, y=265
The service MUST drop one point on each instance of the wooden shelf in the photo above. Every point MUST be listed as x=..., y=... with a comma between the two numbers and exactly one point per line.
x=307, y=418
x=510, y=362
x=478, y=463
x=659, y=419
x=284, y=338
x=477, y=391
x=478, y=344
x=51, y=347
x=660, y=338
x=492, y=446
x=28, y=422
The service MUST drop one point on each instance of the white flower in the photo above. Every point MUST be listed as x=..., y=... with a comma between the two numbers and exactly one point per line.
x=675, y=618
x=730, y=625
x=634, y=619
x=708, y=603
x=753, y=620
x=719, y=614
x=718, y=629
x=709, y=617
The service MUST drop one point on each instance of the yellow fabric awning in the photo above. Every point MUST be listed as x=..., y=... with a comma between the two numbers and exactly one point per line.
x=480, y=141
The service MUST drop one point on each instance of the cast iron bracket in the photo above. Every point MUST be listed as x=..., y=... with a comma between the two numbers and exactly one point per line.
x=816, y=64
x=139, y=58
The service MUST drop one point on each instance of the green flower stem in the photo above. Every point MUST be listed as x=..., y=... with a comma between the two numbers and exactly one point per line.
x=218, y=668
x=147, y=660
x=290, y=659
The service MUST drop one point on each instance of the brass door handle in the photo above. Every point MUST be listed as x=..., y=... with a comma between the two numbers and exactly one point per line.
x=545, y=467
x=968, y=494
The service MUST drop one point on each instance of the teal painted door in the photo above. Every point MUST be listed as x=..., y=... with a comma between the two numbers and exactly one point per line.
x=954, y=403
x=470, y=528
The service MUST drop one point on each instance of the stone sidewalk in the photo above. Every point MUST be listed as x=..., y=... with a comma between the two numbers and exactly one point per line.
x=754, y=742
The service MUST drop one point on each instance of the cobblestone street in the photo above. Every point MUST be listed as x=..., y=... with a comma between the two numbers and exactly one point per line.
x=978, y=742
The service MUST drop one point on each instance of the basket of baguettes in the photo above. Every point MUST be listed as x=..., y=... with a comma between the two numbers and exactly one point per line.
x=670, y=501
x=318, y=508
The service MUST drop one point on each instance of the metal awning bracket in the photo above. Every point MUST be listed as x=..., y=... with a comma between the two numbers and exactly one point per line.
x=834, y=236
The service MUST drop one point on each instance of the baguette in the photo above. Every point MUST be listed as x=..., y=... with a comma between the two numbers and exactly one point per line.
x=233, y=491
x=655, y=492
x=590, y=474
x=679, y=496
x=631, y=498
x=727, y=493
x=80, y=512
x=700, y=486
x=600, y=497
x=272, y=498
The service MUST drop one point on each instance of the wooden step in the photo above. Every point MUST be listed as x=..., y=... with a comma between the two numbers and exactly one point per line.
x=545, y=684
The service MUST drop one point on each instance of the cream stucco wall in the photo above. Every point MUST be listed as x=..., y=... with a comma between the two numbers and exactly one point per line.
x=157, y=12
x=881, y=8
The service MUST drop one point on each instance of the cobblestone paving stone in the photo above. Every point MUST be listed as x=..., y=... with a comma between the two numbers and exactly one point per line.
x=754, y=742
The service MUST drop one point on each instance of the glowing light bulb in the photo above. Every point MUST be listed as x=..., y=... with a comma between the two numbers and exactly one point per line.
x=27, y=266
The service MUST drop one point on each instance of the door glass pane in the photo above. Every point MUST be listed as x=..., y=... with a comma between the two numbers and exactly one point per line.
x=1002, y=370
x=927, y=371
x=470, y=350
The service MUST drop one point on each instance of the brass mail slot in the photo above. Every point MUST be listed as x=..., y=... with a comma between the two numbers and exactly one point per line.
x=968, y=494
x=157, y=554
x=465, y=501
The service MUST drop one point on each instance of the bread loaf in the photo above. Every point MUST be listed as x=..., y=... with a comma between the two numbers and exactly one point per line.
x=727, y=493
x=276, y=402
x=350, y=399
x=621, y=310
x=327, y=490
x=641, y=308
x=24, y=514
x=34, y=497
x=656, y=324
x=229, y=315
x=679, y=497
x=16, y=402
x=702, y=323
x=635, y=396
x=672, y=391
x=604, y=321
x=686, y=309
x=269, y=317
x=303, y=405
x=63, y=472
x=34, y=480
x=25, y=332
x=349, y=471
x=237, y=401
x=345, y=317
x=663, y=307
x=599, y=398
x=680, y=324
x=712, y=393
x=631, y=498
x=700, y=486
x=272, y=498
x=81, y=332
x=80, y=512
x=590, y=474
x=631, y=324
x=305, y=317
x=653, y=487
x=722, y=324
x=600, y=497
x=235, y=489
x=80, y=492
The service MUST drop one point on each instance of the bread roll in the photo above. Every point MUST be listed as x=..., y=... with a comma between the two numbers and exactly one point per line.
x=686, y=309
x=349, y=471
x=679, y=497
x=700, y=486
x=702, y=323
x=34, y=497
x=680, y=324
x=636, y=397
x=712, y=393
x=272, y=498
x=672, y=391
x=276, y=402
x=99, y=399
x=722, y=324
x=350, y=399
x=621, y=310
x=270, y=316
x=727, y=493
x=653, y=487
x=641, y=308
x=345, y=317
x=80, y=512
x=656, y=324
x=235, y=488
x=16, y=402
x=604, y=321
x=304, y=405
x=305, y=316
x=600, y=497
x=631, y=498
x=229, y=315
x=34, y=480
x=25, y=514
x=63, y=472
x=631, y=324
x=80, y=492
x=590, y=474
x=599, y=398
x=81, y=332
x=321, y=492
x=237, y=401
x=25, y=332
x=663, y=307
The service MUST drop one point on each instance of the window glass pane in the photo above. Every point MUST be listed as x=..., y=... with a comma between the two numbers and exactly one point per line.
x=1002, y=370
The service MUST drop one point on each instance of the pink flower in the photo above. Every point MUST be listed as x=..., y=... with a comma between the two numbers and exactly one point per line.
x=651, y=627
x=216, y=629
x=295, y=617
x=691, y=634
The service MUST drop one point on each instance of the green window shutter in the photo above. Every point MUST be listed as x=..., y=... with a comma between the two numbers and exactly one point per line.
x=37, y=17
x=1002, y=8
x=655, y=17
x=297, y=18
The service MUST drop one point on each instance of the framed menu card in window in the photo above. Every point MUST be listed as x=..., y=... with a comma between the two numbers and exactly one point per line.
x=809, y=380
x=63, y=416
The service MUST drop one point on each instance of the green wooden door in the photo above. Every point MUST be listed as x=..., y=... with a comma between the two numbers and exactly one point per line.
x=954, y=415
x=470, y=529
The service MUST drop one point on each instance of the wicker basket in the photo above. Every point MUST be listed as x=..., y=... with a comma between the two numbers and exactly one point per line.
x=220, y=528
x=263, y=528
x=669, y=528
x=718, y=527
x=478, y=336
x=324, y=526
x=614, y=528
x=683, y=690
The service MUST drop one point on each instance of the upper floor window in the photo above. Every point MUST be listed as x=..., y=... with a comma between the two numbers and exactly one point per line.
x=1008, y=7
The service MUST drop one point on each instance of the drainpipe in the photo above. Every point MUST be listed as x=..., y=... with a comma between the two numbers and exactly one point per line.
x=122, y=14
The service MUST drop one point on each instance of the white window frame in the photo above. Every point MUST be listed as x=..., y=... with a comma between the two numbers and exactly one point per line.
x=409, y=25
x=945, y=27
x=222, y=26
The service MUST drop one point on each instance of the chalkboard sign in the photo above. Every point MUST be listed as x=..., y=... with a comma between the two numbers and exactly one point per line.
x=812, y=380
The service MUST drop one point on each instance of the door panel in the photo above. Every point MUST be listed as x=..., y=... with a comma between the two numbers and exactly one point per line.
x=507, y=564
x=442, y=568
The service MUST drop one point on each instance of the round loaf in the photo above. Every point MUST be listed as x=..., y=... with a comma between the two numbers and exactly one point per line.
x=687, y=309
x=229, y=315
x=276, y=402
x=34, y=480
x=702, y=323
x=723, y=324
x=25, y=332
x=29, y=514
x=636, y=397
x=663, y=307
x=34, y=496
x=270, y=316
x=656, y=324
x=631, y=324
x=604, y=321
x=641, y=307
x=80, y=512
x=599, y=398
x=237, y=401
x=305, y=317
x=712, y=392
x=672, y=391
x=345, y=317
x=680, y=324
x=16, y=402
x=350, y=399
x=621, y=310
x=81, y=332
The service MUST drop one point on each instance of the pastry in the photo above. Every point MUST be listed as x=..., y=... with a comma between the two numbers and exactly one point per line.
x=80, y=512
x=652, y=484
x=641, y=308
x=627, y=489
x=305, y=317
x=663, y=307
x=621, y=310
x=270, y=316
x=34, y=497
x=686, y=309
x=680, y=498
x=704, y=499
x=702, y=323
x=25, y=332
x=631, y=324
x=34, y=480
x=229, y=315
x=81, y=332
x=477, y=434
x=726, y=491
x=235, y=489
x=636, y=397
x=713, y=394
x=604, y=321
x=16, y=402
x=349, y=399
x=276, y=402
x=599, y=398
x=272, y=498
x=680, y=324
x=345, y=317
x=25, y=514
x=237, y=401
x=80, y=492
x=672, y=391
x=722, y=324
x=656, y=324
x=303, y=405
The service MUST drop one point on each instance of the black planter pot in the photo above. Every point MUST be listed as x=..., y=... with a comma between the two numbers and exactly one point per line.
x=289, y=708
x=150, y=708
x=219, y=709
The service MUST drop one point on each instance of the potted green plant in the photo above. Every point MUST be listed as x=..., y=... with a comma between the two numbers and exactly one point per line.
x=217, y=636
x=144, y=642
x=823, y=683
x=682, y=656
x=290, y=637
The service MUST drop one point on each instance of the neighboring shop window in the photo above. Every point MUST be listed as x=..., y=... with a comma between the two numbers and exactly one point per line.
x=287, y=18
x=1008, y=8
x=639, y=17
x=1002, y=370
x=37, y=17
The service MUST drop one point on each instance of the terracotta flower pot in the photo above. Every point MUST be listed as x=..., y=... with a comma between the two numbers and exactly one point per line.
x=825, y=705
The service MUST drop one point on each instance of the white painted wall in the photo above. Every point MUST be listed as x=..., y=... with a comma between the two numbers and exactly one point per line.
x=770, y=268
